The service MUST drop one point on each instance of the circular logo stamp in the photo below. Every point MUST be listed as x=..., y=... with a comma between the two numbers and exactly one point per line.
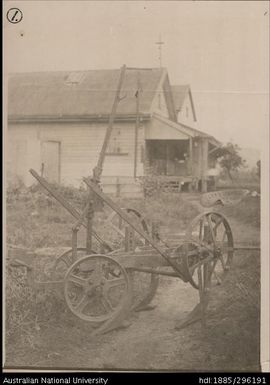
x=14, y=15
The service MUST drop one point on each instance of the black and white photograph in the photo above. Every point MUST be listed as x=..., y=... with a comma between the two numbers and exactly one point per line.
x=136, y=186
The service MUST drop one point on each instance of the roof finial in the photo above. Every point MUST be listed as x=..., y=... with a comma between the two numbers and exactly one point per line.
x=160, y=43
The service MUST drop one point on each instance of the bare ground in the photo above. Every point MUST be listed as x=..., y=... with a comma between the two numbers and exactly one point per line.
x=151, y=342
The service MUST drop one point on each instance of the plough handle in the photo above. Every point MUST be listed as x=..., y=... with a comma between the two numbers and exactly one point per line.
x=65, y=204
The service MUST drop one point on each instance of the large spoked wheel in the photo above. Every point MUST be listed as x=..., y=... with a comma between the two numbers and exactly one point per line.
x=97, y=289
x=65, y=260
x=210, y=234
x=144, y=285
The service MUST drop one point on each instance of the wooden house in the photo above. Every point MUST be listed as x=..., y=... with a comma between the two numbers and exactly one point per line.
x=57, y=123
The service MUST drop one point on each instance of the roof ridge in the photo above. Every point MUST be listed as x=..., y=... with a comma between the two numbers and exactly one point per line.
x=85, y=71
x=181, y=85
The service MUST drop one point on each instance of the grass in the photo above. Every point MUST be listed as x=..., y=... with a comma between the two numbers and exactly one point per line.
x=241, y=179
x=247, y=211
x=234, y=318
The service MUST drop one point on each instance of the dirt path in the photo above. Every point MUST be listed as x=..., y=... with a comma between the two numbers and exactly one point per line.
x=150, y=341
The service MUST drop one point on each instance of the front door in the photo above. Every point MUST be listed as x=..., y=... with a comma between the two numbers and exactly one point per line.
x=50, y=167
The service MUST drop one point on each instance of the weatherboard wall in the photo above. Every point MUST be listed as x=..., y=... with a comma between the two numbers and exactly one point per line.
x=80, y=145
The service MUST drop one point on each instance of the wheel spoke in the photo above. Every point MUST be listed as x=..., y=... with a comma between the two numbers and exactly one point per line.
x=82, y=303
x=65, y=260
x=218, y=223
x=115, y=282
x=211, y=230
x=222, y=262
x=212, y=268
x=223, y=237
x=77, y=280
x=201, y=229
x=192, y=237
x=217, y=277
x=106, y=303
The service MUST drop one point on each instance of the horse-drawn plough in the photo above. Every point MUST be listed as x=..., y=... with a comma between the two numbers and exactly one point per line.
x=100, y=285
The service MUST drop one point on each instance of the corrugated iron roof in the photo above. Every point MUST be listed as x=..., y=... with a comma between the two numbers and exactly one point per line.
x=79, y=93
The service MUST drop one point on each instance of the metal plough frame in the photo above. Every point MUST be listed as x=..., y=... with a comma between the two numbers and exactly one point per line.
x=153, y=256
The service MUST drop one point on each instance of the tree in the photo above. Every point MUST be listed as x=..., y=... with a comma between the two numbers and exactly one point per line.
x=229, y=158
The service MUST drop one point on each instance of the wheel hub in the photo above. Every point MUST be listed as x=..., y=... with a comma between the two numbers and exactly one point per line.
x=93, y=288
x=217, y=253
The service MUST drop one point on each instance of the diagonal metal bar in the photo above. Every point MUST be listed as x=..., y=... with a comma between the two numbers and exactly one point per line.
x=66, y=205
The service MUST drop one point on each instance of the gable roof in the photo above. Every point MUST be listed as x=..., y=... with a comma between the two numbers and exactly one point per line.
x=179, y=95
x=79, y=93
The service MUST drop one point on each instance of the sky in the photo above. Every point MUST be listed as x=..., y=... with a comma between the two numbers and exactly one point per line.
x=220, y=48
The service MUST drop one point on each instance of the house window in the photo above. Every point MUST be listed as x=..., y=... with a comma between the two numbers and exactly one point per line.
x=187, y=112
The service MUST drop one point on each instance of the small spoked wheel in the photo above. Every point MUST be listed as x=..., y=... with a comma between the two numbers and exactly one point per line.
x=211, y=235
x=97, y=288
x=144, y=285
